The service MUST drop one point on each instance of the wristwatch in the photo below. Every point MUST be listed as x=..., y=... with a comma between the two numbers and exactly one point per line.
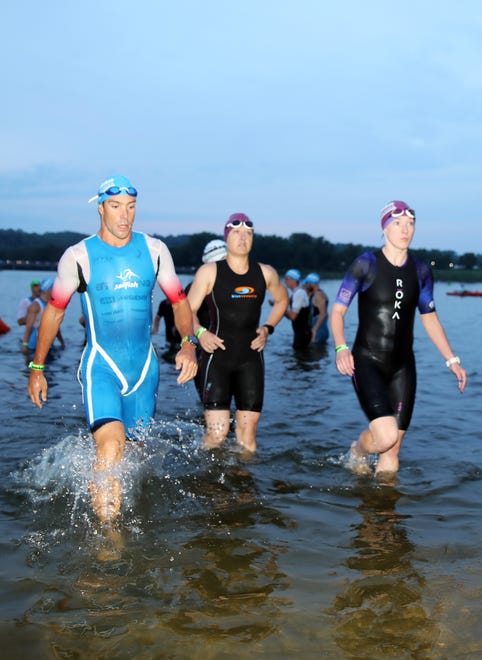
x=191, y=339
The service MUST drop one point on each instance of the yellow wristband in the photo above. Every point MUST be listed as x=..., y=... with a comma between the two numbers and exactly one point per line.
x=200, y=331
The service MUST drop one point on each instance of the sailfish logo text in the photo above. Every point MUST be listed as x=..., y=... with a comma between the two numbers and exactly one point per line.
x=398, y=300
x=126, y=276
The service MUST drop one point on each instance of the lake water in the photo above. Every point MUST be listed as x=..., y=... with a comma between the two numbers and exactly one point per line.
x=286, y=555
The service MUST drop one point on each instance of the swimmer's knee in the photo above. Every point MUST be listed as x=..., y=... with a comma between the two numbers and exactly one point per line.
x=388, y=442
x=99, y=423
x=109, y=441
x=385, y=433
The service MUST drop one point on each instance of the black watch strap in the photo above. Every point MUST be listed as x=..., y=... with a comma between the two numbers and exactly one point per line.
x=270, y=328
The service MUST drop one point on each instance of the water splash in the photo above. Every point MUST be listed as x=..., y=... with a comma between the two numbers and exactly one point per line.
x=64, y=470
x=62, y=467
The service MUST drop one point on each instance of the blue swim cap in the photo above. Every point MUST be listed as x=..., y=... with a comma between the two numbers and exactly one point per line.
x=294, y=273
x=46, y=285
x=312, y=278
x=115, y=181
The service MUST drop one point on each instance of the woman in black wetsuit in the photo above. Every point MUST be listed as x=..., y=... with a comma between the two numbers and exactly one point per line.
x=391, y=284
x=231, y=365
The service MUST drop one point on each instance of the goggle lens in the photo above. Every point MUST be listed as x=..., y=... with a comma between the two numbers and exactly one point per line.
x=409, y=212
x=249, y=224
x=117, y=190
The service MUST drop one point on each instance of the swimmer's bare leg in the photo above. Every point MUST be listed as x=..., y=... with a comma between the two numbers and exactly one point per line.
x=111, y=544
x=358, y=459
x=388, y=462
x=217, y=428
x=381, y=436
x=246, y=426
x=105, y=490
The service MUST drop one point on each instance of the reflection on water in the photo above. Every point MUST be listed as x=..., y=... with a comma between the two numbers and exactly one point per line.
x=228, y=589
x=381, y=613
x=307, y=359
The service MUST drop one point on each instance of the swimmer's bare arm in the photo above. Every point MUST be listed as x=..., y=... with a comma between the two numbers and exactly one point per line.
x=319, y=301
x=186, y=357
x=279, y=305
x=291, y=313
x=49, y=327
x=344, y=359
x=436, y=333
x=201, y=287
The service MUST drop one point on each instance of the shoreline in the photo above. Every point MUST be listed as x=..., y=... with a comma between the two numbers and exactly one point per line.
x=458, y=276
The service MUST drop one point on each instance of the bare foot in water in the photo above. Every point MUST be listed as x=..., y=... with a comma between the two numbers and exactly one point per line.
x=386, y=478
x=111, y=544
x=357, y=461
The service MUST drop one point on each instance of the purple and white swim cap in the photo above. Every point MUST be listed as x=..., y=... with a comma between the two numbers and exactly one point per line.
x=395, y=209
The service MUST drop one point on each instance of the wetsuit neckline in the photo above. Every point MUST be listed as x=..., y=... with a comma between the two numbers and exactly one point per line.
x=392, y=264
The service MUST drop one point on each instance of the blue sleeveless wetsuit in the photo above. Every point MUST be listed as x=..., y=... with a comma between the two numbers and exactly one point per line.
x=119, y=368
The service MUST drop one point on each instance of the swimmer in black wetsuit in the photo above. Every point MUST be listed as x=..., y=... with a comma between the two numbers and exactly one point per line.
x=298, y=311
x=390, y=284
x=318, y=309
x=231, y=363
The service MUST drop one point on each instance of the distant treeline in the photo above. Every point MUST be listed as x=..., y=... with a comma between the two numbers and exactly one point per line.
x=19, y=249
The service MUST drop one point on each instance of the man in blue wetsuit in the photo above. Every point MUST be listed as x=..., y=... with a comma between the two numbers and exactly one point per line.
x=115, y=271
x=390, y=284
x=231, y=361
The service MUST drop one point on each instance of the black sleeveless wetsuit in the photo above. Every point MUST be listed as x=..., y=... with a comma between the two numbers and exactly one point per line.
x=235, y=309
x=385, y=376
x=302, y=328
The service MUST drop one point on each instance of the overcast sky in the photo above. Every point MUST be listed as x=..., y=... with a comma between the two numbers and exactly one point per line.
x=307, y=115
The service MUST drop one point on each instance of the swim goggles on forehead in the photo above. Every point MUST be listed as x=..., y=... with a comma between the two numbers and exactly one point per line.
x=249, y=224
x=398, y=214
x=117, y=190
x=114, y=190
